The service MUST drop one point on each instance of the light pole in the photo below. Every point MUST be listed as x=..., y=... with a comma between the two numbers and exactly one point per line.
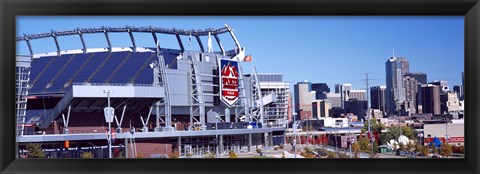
x=216, y=135
x=350, y=134
x=294, y=126
x=109, y=113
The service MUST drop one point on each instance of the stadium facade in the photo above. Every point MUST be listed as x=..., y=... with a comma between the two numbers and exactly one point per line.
x=164, y=99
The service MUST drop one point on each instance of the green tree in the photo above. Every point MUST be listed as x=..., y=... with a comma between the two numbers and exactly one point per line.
x=446, y=150
x=87, y=155
x=375, y=148
x=375, y=126
x=364, y=144
x=35, y=150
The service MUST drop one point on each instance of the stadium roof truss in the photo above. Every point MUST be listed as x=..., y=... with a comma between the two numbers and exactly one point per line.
x=130, y=30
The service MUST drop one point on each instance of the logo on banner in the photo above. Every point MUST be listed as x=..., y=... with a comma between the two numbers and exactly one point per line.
x=229, y=81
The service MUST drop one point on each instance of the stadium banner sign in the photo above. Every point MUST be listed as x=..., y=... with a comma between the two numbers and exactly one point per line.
x=229, y=91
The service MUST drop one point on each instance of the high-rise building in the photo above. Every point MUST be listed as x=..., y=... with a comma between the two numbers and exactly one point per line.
x=357, y=107
x=377, y=97
x=303, y=99
x=358, y=94
x=431, y=99
x=449, y=102
x=442, y=84
x=463, y=86
x=396, y=68
x=320, y=108
x=419, y=76
x=277, y=111
x=290, y=109
x=458, y=89
x=321, y=90
x=344, y=91
x=334, y=99
x=411, y=90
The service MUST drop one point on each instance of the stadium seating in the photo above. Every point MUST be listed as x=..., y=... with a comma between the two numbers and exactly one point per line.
x=90, y=67
x=68, y=72
x=107, y=69
x=128, y=70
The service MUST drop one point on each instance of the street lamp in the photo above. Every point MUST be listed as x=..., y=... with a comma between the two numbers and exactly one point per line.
x=294, y=126
x=350, y=134
x=109, y=114
x=216, y=135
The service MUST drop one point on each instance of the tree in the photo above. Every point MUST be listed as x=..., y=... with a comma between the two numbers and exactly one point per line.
x=232, y=154
x=434, y=148
x=375, y=147
x=87, y=155
x=35, y=150
x=375, y=126
x=364, y=144
x=356, y=149
x=425, y=151
x=446, y=150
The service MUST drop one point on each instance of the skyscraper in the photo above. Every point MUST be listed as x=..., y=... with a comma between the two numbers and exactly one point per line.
x=411, y=90
x=321, y=89
x=344, y=90
x=431, y=99
x=458, y=89
x=463, y=86
x=396, y=68
x=358, y=94
x=303, y=99
x=419, y=76
x=377, y=97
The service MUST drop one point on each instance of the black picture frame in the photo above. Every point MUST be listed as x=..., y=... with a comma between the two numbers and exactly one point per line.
x=9, y=9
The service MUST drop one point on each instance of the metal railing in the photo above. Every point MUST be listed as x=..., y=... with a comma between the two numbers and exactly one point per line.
x=112, y=84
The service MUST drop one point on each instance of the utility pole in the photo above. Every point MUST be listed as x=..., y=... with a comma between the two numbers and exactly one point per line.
x=368, y=116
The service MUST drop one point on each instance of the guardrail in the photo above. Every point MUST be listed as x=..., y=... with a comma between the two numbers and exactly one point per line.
x=112, y=84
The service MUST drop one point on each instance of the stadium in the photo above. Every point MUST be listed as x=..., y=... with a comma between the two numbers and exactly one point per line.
x=156, y=100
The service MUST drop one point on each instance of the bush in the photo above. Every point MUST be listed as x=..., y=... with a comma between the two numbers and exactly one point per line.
x=232, y=154
x=87, y=155
x=259, y=150
x=276, y=148
x=283, y=155
x=446, y=150
x=308, y=153
x=281, y=146
x=209, y=155
x=35, y=150
x=331, y=154
x=120, y=155
x=139, y=155
x=458, y=149
x=175, y=154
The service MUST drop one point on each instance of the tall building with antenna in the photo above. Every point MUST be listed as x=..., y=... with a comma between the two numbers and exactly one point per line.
x=395, y=68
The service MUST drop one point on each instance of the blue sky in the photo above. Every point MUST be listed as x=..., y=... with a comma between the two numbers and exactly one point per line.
x=324, y=49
